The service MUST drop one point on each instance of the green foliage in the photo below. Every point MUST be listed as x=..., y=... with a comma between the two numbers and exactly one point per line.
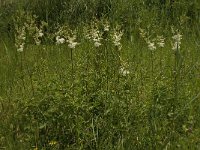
x=159, y=13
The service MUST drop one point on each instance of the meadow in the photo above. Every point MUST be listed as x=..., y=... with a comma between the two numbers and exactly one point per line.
x=93, y=75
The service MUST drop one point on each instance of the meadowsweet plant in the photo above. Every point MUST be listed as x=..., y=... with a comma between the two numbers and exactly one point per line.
x=62, y=34
x=143, y=34
x=176, y=45
x=149, y=41
x=72, y=42
x=123, y=71
x=60, y=40
x=151, y=45
x=160, y=41
x=117, y=36
x=38, y=35
x=124, y=68
x=94, y=34
x=20, y=38
x=39, y=32
x=106, y=26
x=177, y=37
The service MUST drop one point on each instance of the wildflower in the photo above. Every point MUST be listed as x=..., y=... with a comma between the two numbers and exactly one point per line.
x=177, y=41
x=53, y=143
x=160, y=41
x=94, y=35
x=72, y=44
x=37, y=42
x=142, y=33
x=151, y=45
x=21, y=48
x=20, y=38
x=97, y=44
x=60, y=40
x=40, y=34
x=116, y=37
x=106, y=26
x=124, y=71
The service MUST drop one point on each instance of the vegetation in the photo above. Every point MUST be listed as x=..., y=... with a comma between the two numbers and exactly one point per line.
x=99, y=75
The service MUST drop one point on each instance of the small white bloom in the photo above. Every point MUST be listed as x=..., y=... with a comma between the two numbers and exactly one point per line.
x=177, y=37
x=151, y=45
x=72, y=43
x=60, y=40
x=37, y=42
x=142, y=33
x=176, y=46
x=160, y=41
x=177, y=41
x=117, y=36
x=106, y=27
x=123, y=71
x=97, y=44
x=21, y=48
x=41, y=34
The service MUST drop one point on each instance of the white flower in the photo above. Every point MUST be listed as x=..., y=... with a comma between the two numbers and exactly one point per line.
x=176, y=46
x=97, y=44
x=117, y=38
x=151, y=45
x=142, y=33
x=60, y=40
x=37, y=42
x=177, y=41
x=123, y=71
x=72, y=43
x=95, y=36
x=160, y=41
x=40, y=34
x=177, y=37
x=21, y=48
x=106, y=26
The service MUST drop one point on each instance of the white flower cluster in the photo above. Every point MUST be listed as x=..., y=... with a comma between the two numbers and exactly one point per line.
x=39, y=34
x=159, y=40
x=116, y=37
x=151, y=45
x=59, y=40
x=123, y=71
x=72, y=42
x=94, y=35
x=143, y=34
x=106, y=26
x=61, y=34
x=20, y=39
x=177, y=41
x=65, y=35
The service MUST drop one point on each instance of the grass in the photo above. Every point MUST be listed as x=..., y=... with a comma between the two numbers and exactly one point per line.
x=110, y=96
